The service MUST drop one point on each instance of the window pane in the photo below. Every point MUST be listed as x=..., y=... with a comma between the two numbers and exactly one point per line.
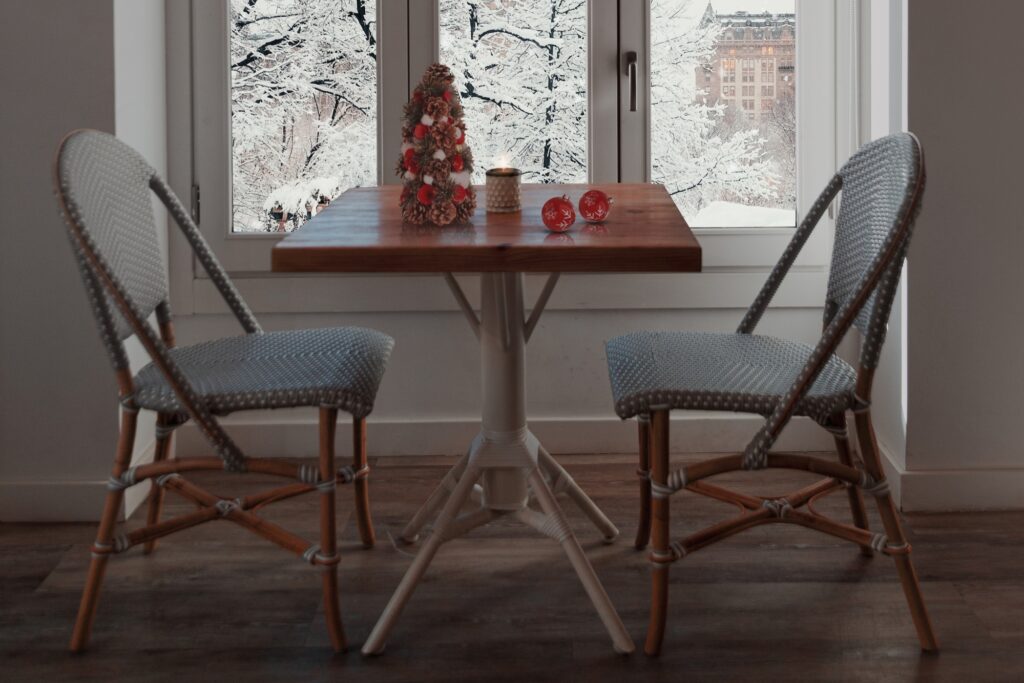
x=303, y=107
x=726, y=153
x=521, y=66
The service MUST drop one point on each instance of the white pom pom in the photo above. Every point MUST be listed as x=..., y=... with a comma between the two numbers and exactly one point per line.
x=456, y=132
x=428, y=180
x=443, y=119
x=439, y=154
x=462, y=178
x=406, y=146
x=409, y=175
x=426, y=120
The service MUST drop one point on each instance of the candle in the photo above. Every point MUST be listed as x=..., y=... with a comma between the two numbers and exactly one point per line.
x=503, y=188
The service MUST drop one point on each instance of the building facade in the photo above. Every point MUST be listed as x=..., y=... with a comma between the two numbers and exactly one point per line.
x=752, y=69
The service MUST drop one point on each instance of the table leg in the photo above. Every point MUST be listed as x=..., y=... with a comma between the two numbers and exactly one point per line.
x=561, y=481
x=621, y=641
x=411, y=532
x=379, y=636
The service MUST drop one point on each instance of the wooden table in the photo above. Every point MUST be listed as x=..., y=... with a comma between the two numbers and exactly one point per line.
x=362, y=231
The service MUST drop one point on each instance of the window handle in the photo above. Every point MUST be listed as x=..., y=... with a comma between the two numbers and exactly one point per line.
x=631, y=72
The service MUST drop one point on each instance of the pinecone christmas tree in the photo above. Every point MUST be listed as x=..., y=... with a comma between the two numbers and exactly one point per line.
x=436, y=163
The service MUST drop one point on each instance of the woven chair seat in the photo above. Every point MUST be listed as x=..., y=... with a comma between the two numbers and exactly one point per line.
x=340, y=367
x=744, y=373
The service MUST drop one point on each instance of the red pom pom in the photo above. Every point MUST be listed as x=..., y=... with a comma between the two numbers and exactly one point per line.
x=425, y=194
x=447, y=95
x=558, y=214
x=412, y=165
x=594, y=206
x=410, y=155
x=420, y=131
x=462, y=137
x=459, y=194
x=457, y=163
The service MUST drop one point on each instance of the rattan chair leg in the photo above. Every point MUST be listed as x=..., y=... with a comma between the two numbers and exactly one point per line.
x=328, y=536
x=362, y=484
x=643, y=529
x=104, y=536
x=854, y=494
x=661, y=556
x=164, y=435
x=894, y=532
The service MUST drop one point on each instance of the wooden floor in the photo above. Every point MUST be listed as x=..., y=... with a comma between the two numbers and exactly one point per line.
x=777, y=603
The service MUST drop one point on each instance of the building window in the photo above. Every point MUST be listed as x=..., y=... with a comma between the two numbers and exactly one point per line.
x=748, y=91
x=748, y=105
x=767, y=91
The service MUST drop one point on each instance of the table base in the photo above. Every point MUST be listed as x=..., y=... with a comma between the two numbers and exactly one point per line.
x=505, y=464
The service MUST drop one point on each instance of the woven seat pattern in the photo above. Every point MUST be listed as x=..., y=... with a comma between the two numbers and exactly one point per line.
x=712, y=371
x=340, y=367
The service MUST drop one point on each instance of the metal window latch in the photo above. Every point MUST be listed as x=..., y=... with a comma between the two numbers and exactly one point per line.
x=631, y=72
x=195, y=204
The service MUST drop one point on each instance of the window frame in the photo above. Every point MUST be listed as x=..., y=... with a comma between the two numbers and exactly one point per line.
x=737, y=258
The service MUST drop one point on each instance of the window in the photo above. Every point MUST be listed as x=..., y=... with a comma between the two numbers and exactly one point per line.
x=309, y=101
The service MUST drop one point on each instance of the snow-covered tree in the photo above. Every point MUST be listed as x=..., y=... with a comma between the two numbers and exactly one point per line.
x=521, y=66
x=700, y=152
x=303, y=105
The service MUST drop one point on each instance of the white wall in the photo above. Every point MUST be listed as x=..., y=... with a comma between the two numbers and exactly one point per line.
x=966, y=310
x=58, y=423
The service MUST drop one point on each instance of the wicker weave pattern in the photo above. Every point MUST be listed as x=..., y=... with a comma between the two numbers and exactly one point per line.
x=339, y=367
x=708, y=371
x=106, y=185
x=878, y=188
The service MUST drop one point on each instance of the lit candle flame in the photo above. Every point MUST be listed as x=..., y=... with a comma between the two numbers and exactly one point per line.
x=503, y=160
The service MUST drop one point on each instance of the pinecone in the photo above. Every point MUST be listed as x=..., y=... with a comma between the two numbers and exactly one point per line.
x=438, y=169
x=437, y=108
x=442, y=213
x=438, y=74
x=416, y=213
x=464, y=211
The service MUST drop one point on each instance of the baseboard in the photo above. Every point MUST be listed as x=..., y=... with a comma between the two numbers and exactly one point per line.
x=67, y=501
x=691, y=432
x=954, y=490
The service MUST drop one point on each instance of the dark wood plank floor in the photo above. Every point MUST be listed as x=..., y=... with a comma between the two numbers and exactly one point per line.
x=777, y=603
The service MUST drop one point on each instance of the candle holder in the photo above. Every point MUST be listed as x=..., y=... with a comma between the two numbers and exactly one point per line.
x=503, y=190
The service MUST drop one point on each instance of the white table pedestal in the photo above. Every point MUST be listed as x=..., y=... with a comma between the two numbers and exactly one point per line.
x=505, y=463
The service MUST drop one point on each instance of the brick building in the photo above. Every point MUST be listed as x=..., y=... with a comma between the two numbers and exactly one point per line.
x=753, y=65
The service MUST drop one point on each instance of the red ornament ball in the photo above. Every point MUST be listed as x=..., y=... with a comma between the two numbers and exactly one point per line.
x=595, y=206
x=425, y=194
x=410, y=155
x=457, y=163
x=558, y=214
x=420, y=131
x=459, y=194
x=462, y=137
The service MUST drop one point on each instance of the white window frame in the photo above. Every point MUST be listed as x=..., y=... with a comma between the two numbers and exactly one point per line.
x=736, y=260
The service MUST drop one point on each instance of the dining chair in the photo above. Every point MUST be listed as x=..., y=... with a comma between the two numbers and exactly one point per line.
x=103, y=188
x=653, y=373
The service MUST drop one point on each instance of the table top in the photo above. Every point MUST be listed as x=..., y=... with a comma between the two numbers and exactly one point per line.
x=362, y=232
